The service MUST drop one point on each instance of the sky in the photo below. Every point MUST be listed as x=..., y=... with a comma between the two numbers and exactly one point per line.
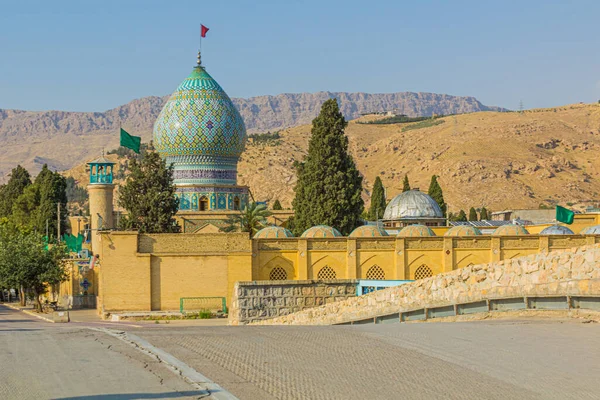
x=96, y=55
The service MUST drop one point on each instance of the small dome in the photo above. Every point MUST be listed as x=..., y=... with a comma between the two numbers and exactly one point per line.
x=273, y=232
x=556, y=230
x=510, y=230
x=412, y=204
x=463, y=230
x=368, y=231
x=415, y=231
x=321, y=231
x=591, y=230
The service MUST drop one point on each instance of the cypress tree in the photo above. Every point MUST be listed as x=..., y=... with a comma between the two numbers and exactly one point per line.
x=277, y=205
x=149, y=196
x=19, y=180
x=435, y=191
x=473, y=214
x=52, y=191
x=329, y=188
x=462, y=216
x=377, y=200
x=483, y=215
x=405, y=184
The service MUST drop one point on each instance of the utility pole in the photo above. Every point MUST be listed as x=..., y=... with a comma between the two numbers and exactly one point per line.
x=58, y=223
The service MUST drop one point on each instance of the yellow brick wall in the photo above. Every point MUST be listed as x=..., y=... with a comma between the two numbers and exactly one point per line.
x=152, y=272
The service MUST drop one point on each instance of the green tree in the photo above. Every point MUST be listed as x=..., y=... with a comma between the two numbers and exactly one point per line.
x=25, y=262
x=149, y=196
x=377, y=200
x=251, y=219
x=473, y=214
x=405, y=184
x=462, y=216
x=19, y=180
x=25, y=209
x=435, y=191
x=483, y=215
x=75, y=193
x=329, y=186
x=277, y=205
x=52, y=188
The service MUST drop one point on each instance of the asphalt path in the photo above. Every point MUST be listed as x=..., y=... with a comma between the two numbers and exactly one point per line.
x=41, y=360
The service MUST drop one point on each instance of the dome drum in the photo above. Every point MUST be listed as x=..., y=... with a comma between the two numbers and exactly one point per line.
x=212, y=198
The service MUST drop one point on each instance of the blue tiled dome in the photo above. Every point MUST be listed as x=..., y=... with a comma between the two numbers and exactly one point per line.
x=200, y=132
x=321, y=231
x=273, y=232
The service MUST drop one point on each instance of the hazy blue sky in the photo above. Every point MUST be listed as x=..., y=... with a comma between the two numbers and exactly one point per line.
x=96, y=55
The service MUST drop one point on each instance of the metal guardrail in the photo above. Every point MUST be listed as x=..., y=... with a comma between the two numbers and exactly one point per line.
x=191, y=304
x=591, y=303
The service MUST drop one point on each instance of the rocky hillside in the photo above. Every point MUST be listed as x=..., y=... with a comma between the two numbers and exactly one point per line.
x=64, y=139
x=498, y=160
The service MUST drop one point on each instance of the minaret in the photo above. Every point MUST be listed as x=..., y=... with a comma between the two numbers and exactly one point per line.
x=100, y=191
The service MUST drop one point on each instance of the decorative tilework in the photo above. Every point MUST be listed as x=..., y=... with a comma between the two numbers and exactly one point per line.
x=198, y=130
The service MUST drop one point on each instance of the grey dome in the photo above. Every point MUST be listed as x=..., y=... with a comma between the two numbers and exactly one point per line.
x=591, y=230
x=556, y=230
x=412, y=204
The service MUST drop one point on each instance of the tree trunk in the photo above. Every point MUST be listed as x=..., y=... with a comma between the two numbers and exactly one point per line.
x=22, y=299
x=38, y=301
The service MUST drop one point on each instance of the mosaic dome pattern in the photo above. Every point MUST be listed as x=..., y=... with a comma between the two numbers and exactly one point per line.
x=321, y=231
x=463, y=230
x=273, y=232
x=556, y=230
x=200, y=132
x=416, y=231
x=412, y=204
x=591, y=230
x=368, y=231
x=510, y=230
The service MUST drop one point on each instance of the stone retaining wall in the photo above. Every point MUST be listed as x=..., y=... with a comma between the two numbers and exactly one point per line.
x=259, y=300
x=572, y=272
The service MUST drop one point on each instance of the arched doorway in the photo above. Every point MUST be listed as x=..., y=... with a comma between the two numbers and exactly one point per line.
x=203, y=203
x=236, y=203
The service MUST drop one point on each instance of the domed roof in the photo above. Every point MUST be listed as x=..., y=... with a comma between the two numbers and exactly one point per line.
x=412, y=204
x=510, y=230
x=591, y=230
x=556, y=230
x=368, y=231
x=199, y=121
x=415, y=231
x=321, y=231
x=273, y=232
x=463, y=230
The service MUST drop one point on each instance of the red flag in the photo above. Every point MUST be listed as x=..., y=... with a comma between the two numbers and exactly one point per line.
x=203, y=30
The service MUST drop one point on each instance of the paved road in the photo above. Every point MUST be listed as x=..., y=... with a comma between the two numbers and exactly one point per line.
x=474, y=360
x=521, y=359
x=39, y=360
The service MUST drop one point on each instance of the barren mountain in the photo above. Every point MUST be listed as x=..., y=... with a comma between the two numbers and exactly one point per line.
x=498, y=160
x=64, y=139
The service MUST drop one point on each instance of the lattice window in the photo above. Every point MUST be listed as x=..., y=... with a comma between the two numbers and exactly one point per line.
x=326, y=273
x=375, y=272
x=278, y=274
x=423, y=272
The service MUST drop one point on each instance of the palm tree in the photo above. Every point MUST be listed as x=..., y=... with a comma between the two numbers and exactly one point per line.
x=251, y=219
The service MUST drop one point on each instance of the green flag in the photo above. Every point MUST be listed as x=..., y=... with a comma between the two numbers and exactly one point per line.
x=564, y=215
x=131, y=142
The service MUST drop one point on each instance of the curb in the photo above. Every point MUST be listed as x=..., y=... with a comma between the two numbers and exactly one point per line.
x=29, y=313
